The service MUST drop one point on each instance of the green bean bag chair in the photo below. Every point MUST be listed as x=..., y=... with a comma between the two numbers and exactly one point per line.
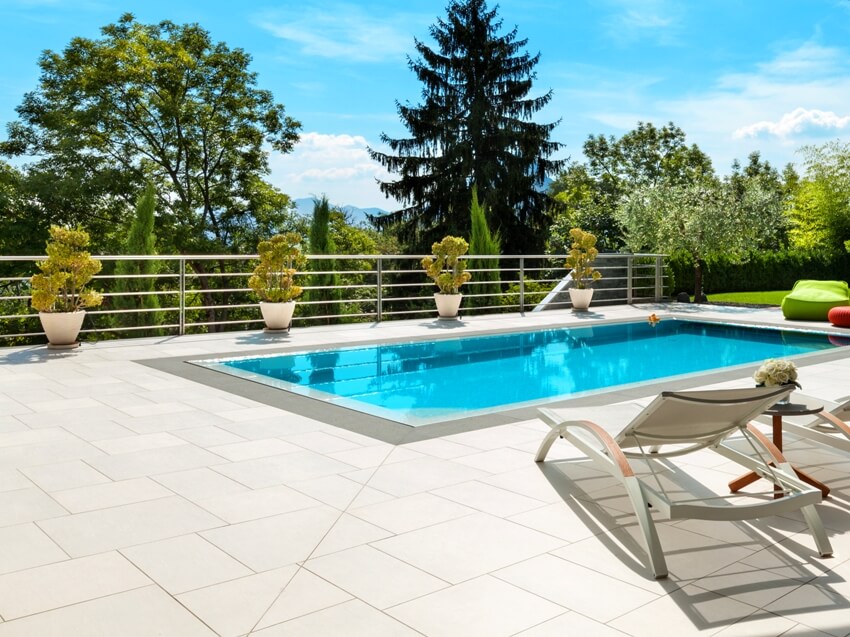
x=812, y=300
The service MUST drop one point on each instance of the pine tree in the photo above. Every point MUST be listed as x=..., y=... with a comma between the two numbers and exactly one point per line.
x=481, y=242
x=473, y=127
x=141, y=240
x=321, y=242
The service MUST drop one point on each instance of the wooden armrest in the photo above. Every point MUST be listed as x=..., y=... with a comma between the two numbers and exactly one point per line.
x=771, y=448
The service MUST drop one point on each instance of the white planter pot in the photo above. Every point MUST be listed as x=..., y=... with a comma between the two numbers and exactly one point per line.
x=277, y=316
x=62, y=328
x=448, y=304
x=581, y=298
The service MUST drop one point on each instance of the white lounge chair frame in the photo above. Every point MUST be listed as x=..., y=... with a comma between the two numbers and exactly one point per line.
x=691, y=421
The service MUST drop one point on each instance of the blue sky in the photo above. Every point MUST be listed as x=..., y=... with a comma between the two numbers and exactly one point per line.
x=735, y=75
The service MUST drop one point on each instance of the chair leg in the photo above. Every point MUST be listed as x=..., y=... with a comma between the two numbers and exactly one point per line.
x=816, y=527
x=547, y=443
x=653, y=546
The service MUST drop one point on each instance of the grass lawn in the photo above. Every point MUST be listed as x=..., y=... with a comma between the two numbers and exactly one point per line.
x=755, y=298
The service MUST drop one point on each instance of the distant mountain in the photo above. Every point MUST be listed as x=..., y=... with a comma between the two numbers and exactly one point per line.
x=355, y=214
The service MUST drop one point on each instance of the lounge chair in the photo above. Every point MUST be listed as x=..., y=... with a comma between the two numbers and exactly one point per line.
x=677, y=423
x=812, y=300
x=829, y=427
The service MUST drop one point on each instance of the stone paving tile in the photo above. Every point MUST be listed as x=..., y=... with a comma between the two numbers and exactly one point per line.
x=149, y=462
x=352, y=619
x=25, y=546
x=482, y=606
x=110, y=494
x=513, y=544
x=52, y=586
x=27, y=505
x=64, y=475
x=275, y=541
x=121, y=526
x=137, y=613
x=185, y=563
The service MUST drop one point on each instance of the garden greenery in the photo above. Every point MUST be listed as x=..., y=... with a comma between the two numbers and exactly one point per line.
x=61, y=286
x=581, y=256
x=273, y=280
x=446, y=267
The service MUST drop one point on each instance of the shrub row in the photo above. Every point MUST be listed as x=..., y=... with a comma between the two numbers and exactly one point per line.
x=762, y=271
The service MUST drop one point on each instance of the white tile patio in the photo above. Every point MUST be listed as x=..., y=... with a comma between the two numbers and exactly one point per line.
x=134, y=502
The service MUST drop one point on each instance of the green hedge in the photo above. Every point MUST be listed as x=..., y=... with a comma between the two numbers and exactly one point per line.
x=762, y=271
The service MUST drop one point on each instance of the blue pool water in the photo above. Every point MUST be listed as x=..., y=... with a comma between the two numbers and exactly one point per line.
x=418, y=383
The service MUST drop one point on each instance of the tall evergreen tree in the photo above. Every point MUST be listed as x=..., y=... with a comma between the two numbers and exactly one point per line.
x=482, y=242
x=473, y=127
x=141, y=240
x=321, y=242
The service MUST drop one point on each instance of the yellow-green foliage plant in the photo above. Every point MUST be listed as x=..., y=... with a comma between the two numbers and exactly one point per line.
x=580, y=260
x=445, y=266
x=61, y=286
x=273, y=280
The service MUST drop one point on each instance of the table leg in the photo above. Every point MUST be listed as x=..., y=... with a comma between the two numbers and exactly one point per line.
x=748, y=478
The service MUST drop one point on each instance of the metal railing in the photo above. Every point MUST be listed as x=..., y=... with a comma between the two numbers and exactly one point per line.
x=206, y=293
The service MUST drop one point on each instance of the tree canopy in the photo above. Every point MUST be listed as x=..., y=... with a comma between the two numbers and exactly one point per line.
x=473, y=127
x=163, y=103
x=590, y=193
x=820, y=209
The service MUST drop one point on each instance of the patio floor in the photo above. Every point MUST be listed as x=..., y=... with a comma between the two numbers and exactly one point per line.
x=134, y=502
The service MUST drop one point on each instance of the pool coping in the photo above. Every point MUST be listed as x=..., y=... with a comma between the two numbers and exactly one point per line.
x=396, y=433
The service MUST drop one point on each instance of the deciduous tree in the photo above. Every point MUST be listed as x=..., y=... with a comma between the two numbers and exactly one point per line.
x=165, y=103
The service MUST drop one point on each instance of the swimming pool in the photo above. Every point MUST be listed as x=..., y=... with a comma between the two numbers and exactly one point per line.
x=418, y=383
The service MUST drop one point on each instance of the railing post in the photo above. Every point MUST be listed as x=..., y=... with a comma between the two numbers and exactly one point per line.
x=379, y=307
x=182, y=300
x=522, y=285
x=659, y=269
x=629, y=275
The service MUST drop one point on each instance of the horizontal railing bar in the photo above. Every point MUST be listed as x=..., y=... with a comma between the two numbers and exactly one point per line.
x=393, y=286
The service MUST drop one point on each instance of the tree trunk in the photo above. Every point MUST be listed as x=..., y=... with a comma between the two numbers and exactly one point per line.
x=698, y=295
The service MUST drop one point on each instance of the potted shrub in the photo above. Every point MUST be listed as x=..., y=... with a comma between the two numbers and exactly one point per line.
x=59, y=293
x=273, y=280
x=448, y=271
x=580, y=260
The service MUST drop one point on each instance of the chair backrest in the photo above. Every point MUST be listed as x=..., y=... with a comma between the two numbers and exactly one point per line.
x=698, y=417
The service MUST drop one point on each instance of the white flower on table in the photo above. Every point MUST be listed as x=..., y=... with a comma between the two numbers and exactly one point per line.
x=774, y=372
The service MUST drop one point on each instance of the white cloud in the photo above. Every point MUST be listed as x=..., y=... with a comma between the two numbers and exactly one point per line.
x=798, y=120
x=336, y=165
x=344, y=32
x=789, y=100
x=633, y=20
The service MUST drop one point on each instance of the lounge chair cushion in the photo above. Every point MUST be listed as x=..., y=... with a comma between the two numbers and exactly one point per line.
x=812, y=300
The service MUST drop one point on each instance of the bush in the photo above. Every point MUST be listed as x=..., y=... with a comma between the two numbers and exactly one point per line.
x=535, y=292
x=761, y=271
